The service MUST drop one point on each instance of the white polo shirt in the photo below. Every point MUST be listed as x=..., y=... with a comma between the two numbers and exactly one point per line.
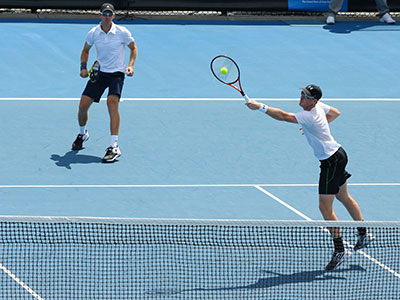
x=316, y=129
x=110, y=47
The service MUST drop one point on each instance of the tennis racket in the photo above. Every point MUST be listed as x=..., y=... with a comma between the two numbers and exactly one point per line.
x=226, y=70
x=94, y=71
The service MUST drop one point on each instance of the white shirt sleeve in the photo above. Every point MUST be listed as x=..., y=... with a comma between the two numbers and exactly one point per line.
x=128, y=38
x=301, y=117
x=326, y=108
x=90, y=38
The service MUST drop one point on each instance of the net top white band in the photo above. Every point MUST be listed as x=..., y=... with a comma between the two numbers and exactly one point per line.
x=221, y=222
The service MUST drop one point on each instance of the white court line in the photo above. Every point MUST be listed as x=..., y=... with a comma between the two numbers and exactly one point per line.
x=283, y=203
x=202, y=99
x=17, y=186
x=20, y=282
x=309, y=219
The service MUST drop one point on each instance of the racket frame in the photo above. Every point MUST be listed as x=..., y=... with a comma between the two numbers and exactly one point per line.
x=93, y=73
x=239, y=89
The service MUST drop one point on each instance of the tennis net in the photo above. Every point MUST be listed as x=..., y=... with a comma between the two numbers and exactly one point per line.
x=102, y=258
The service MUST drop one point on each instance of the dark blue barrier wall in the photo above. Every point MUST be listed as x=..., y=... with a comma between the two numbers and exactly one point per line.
x=268, y=5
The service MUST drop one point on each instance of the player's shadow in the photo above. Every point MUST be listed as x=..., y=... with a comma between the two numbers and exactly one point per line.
x=73, y=157
x=349, y=27
x=277, y=279
x=306, y=276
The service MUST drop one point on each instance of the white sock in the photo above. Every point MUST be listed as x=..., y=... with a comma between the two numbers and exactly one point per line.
x=82, y=129
x=114, y=141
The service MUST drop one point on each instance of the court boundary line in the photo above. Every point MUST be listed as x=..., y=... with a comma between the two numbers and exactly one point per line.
x=20, y=282
x=198, y=99
x=374, y=260
x=16, y=186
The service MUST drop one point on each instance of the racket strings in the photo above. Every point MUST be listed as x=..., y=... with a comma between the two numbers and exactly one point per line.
x=94, y=72
x=225, y=70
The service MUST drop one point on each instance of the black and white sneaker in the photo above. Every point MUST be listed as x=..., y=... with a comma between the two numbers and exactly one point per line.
x=112, y=153
x=337, y=259
x=78, y=143
x=363, y=241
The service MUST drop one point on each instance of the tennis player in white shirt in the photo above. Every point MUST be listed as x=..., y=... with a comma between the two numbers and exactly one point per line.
x=315, y=119
x=110, y=41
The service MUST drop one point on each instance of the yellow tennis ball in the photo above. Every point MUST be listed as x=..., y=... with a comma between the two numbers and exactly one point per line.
x=224, y=71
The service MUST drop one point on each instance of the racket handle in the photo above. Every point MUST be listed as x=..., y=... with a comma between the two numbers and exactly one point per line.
x=246, y=98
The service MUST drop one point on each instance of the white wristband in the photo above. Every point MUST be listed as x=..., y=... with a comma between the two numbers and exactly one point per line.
x=263, y=108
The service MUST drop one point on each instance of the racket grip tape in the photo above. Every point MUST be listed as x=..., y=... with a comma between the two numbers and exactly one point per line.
x=246, y=98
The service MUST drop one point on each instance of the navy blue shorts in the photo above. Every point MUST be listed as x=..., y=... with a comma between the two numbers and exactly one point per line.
x=333, y=173
x=113, y=81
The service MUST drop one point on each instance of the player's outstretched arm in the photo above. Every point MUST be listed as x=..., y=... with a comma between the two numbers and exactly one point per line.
x=276, y=113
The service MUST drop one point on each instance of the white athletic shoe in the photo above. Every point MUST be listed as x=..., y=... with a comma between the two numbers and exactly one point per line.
x=387, y=18
x=112, y=153
x=330, y=20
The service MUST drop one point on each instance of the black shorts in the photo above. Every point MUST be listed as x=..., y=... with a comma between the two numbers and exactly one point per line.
x=333, y=173
x=113, y=81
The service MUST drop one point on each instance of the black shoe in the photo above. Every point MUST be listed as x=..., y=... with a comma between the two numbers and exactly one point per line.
x=78, y=143
x=112, y=153
x=337, y=259
x=363, y=241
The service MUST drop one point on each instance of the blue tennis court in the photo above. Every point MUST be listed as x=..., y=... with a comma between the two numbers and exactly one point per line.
x=190, y=147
